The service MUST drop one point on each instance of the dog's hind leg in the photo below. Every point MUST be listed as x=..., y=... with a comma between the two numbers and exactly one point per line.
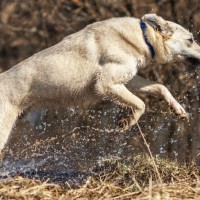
x=8, y=116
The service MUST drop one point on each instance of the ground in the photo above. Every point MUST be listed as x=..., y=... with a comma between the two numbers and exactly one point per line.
x=114, y=178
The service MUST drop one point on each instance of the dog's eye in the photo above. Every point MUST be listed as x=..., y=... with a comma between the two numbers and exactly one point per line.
x=190, y=40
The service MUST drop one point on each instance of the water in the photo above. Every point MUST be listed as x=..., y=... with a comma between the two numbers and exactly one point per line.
x=65, y=145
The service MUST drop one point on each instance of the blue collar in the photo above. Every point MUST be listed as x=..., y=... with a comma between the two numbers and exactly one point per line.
x=144, y=27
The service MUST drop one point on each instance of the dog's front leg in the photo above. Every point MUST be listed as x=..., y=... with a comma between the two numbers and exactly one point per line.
x=123, y=97
x=141, y=85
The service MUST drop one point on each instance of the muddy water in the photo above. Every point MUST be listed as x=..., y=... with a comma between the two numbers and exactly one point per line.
x=65, y=145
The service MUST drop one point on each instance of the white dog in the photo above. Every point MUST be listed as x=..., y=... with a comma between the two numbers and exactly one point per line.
x=94, y=63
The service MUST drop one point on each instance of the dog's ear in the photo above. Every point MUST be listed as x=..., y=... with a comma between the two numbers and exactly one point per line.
x=156, y=22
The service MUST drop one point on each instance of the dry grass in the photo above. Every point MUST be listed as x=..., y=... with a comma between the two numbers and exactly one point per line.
x=131, y=178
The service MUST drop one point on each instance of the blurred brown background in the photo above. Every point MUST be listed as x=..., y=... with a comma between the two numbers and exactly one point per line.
x=28, y=26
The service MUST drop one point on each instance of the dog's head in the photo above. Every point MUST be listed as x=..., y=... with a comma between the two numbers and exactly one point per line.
x=171, y=41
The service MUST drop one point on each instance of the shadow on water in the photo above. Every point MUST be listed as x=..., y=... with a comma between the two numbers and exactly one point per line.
x=64, y=146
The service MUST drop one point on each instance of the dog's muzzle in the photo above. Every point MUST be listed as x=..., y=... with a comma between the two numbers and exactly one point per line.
x=193, y=61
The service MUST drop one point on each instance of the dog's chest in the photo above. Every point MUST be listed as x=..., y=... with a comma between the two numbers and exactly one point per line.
x=141, y=62
x=132, y=68
x=128, y=73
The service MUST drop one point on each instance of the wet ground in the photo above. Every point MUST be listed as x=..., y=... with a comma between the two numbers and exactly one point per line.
x=65, y=145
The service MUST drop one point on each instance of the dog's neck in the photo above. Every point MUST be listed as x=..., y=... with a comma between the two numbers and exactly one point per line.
x=159, y=53
x=151, y=49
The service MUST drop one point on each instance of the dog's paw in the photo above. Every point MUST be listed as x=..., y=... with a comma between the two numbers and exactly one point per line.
x=180, y=111
x=185, y=116
x=125, y=123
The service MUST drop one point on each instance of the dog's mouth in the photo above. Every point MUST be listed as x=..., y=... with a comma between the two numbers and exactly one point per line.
x=193, y=61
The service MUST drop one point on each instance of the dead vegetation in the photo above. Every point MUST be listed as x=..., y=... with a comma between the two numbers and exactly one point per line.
x=29, y=26
x=112, y=178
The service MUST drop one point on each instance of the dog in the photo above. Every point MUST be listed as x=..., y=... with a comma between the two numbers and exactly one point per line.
x=99, y=62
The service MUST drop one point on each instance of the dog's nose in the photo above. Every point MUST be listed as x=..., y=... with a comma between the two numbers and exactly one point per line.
x=193, y=61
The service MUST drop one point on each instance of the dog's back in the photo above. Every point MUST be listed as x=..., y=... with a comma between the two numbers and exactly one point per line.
x=66, y=72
